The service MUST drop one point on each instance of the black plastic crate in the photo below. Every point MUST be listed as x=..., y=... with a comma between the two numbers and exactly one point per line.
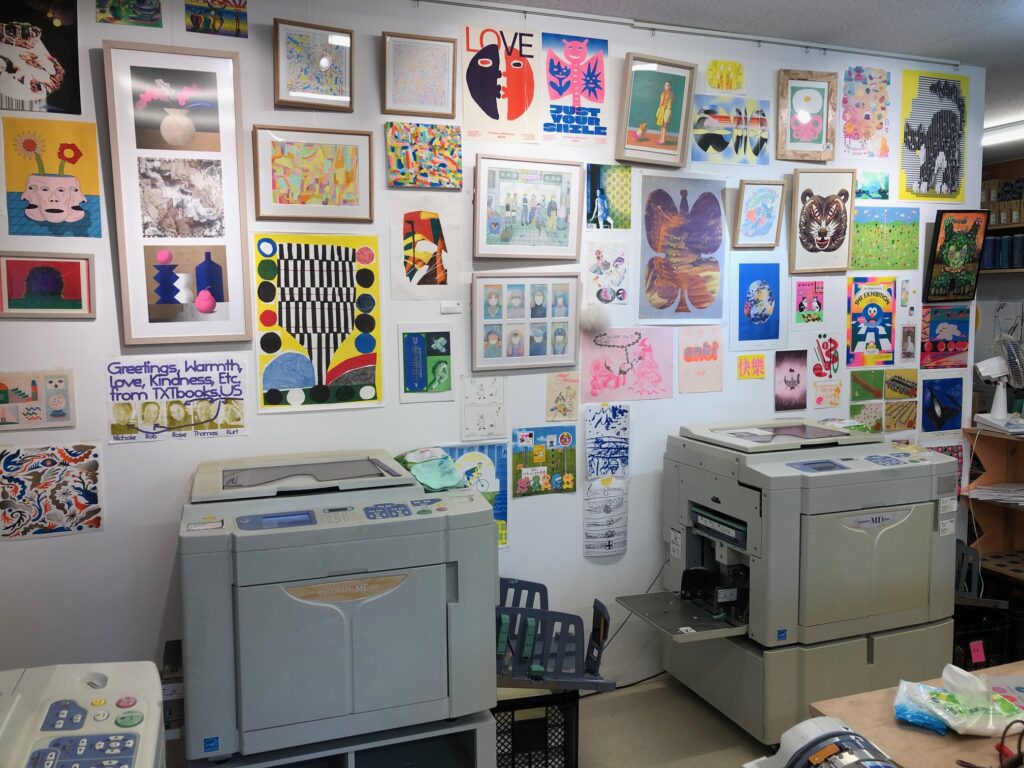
x=990, y=627
x=527, y=738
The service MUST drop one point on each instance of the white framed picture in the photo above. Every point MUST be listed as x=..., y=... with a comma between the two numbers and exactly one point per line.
x=419, y=75
x=525, y=320
x=527, y=209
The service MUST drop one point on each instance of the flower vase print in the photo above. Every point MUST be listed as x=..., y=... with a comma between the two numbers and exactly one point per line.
x=175, y=109
x=682, y=253
x=52, y=175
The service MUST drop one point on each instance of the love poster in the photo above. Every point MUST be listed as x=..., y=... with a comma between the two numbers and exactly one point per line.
x=501, y=68
x=869, y=331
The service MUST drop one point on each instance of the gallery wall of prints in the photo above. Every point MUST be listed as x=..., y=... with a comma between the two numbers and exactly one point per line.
x=334, y=382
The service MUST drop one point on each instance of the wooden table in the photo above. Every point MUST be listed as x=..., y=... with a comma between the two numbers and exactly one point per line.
x=871, y=715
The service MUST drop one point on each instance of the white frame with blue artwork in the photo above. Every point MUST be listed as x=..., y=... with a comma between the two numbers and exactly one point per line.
x=737, y=239
x=342, y=39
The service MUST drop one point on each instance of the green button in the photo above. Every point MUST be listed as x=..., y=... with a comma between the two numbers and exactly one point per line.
x=129, y=719
x=422, y=511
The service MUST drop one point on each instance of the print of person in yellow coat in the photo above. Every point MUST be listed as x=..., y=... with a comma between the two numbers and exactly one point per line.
x=664, y=113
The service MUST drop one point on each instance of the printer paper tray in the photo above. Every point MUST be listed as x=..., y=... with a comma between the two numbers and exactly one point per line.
x=682, y=620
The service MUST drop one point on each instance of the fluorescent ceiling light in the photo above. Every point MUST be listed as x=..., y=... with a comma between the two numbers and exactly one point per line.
x=1001, y=134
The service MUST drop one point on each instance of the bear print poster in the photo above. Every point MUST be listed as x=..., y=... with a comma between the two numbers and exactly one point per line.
x=821, y=220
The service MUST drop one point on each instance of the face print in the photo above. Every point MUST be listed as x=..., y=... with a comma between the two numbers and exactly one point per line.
x=149, y=412
x=482, y=80
x=53, y=199
x=122, y=413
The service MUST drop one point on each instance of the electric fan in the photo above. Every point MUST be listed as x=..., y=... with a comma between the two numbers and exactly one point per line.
x=1007, y=367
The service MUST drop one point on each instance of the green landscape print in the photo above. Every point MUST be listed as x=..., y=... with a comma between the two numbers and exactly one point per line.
x=885, y=238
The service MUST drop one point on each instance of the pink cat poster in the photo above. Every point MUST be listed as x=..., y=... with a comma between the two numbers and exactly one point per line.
x=700, y=358
x=628, y=364
x=578, y=108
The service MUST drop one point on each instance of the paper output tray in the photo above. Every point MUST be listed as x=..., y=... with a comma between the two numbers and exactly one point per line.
x=682, y=620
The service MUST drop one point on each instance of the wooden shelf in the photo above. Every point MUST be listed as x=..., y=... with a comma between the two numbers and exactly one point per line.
x=1003, y=227
x=1011, y=271
x=1002, y=456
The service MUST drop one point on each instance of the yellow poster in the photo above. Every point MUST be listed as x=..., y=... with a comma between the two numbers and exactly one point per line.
x=749, y=367
x=51, y=170
x=318, y=322
x=933, y=152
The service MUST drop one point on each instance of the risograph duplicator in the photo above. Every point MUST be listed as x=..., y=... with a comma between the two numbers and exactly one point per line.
x=805, y=562
x=327, y=596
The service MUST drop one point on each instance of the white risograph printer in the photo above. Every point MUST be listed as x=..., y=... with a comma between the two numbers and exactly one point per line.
x=805, y=562
x=328, y=595
x=106, y=715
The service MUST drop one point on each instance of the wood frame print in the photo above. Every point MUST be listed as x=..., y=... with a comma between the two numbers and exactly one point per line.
x=821, y=222
x=37, y=286
x=302, y=176
x=806, y=130
x=424, y=74
x=525, y=320
x=508, y=220
x=752, y=221
x=657, y=92
x=301, y=78
x=176, y=150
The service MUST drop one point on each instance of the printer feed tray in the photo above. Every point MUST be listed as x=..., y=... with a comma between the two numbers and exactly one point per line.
x=685, y=621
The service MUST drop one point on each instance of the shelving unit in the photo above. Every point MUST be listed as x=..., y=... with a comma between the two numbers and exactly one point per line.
x=1001, y=542
x=1017, y=271
x=1004, y=227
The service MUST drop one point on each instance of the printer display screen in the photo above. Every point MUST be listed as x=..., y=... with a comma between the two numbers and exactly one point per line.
x=821, y=465
x=279, y=520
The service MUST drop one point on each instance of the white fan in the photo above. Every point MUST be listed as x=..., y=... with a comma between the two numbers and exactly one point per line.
x=1007, y=367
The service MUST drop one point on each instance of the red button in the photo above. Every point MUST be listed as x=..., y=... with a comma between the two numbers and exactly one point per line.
x=127, y=701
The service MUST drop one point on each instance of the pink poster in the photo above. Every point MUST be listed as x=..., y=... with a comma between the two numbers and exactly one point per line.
x=628, y=364
x=700, y=358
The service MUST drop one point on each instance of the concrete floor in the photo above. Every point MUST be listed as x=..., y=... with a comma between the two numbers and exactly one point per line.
x=660, y=724
x=657, y=724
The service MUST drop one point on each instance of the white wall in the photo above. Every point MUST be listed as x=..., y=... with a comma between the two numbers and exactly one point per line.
x=114, y=595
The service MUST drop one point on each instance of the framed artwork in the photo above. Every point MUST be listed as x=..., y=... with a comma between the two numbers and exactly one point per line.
x=425, y=362
x=312, y=174
x=654, y=122
x=527, y=209
x=140, y=13
x=807, y=115
x=423, y=156
x=419, y=75
x=822, y=216
x=954, y=257
x=313, y=66
x=229, y=18
x=176, y=150
x=46, y=285
x=525, y=320
x=758, y=222
x=39, y=41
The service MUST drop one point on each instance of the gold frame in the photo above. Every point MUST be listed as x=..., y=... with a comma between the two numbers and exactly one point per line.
x=831, y=79
x=280, y=101
x=260, y=216
x=794, y=222
x=243, y=232
x=739, y=209
x=684, y=120
x=448, y=115
x=19, y=314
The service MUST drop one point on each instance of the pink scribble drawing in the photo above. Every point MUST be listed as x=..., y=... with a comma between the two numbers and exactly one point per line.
x=576, y=75
x=629, y=364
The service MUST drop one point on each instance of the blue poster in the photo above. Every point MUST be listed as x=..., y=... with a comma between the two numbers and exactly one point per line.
x=942, y=404
x=758, y=304
x=485, y=468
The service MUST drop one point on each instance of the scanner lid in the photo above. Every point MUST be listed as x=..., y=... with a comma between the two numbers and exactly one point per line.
x=267, y=476
x=781, y=435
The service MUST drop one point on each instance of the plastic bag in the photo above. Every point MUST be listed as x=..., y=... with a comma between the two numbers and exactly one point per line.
x=910, y=712
x=966, y=704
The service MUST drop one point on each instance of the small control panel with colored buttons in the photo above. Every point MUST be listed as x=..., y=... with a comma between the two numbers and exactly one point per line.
x=386, y=510
x=884, y=460
x=97, y=750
